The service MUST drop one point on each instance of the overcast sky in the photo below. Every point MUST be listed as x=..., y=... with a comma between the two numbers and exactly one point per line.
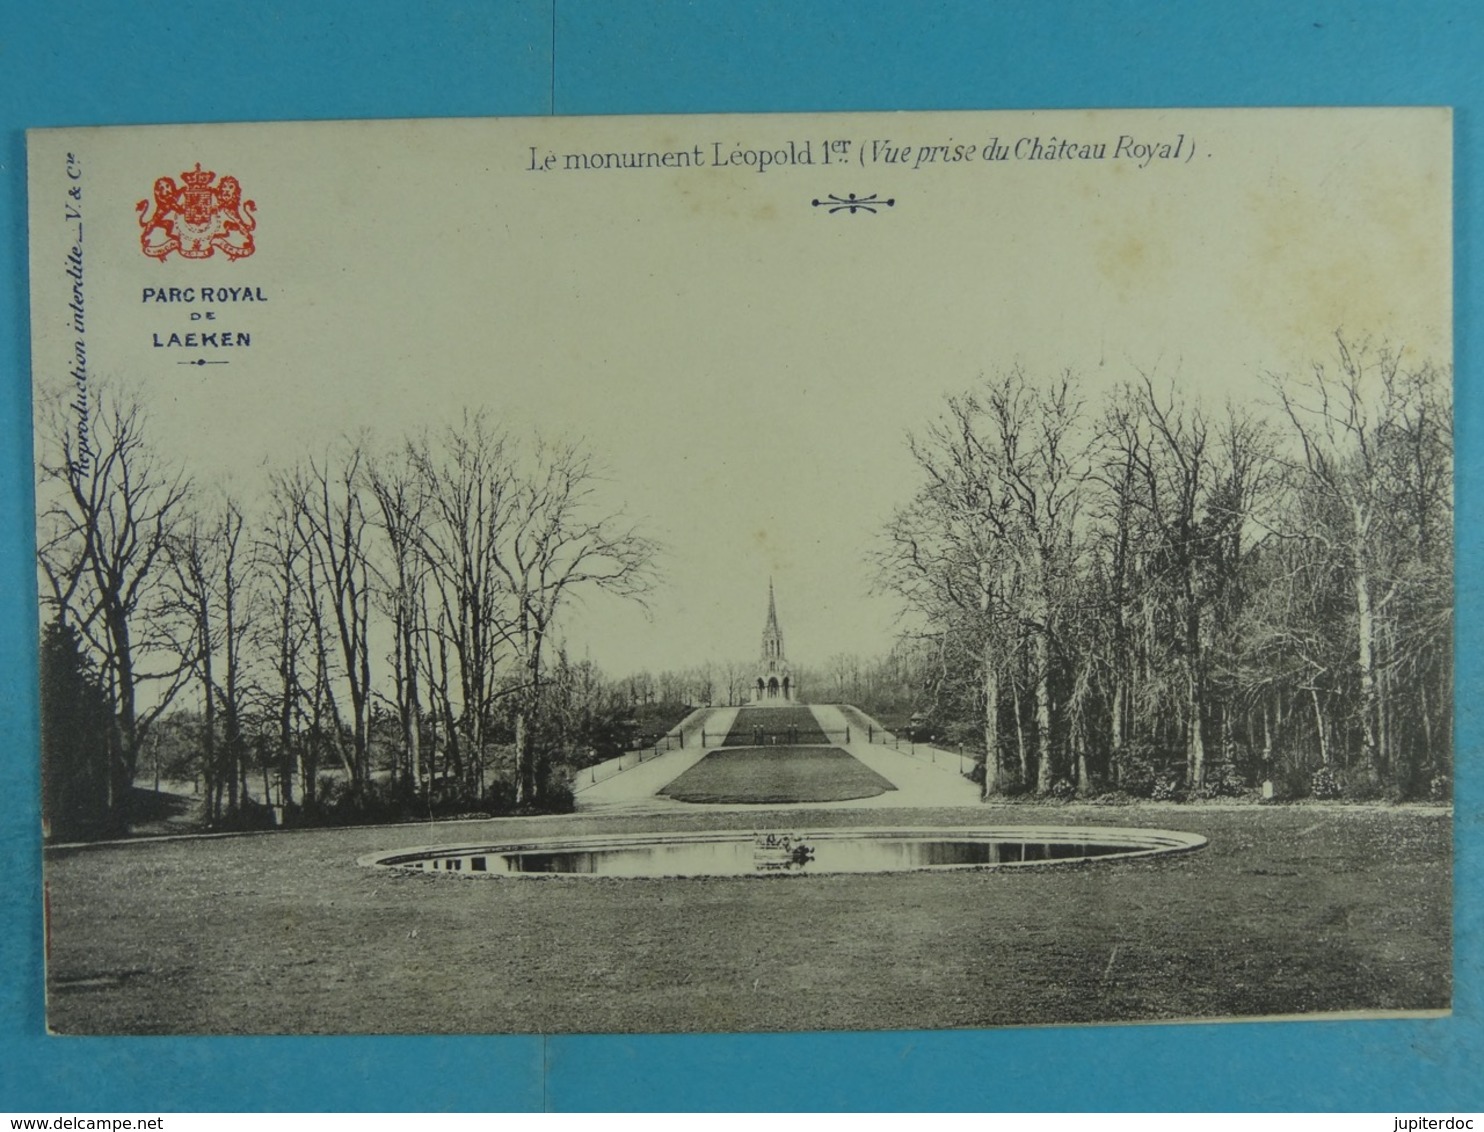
x=745, y=365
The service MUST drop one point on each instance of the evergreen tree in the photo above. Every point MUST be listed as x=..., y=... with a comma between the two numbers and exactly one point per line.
x=76, y=730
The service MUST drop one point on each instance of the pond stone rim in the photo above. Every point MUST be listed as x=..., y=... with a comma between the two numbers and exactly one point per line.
x=1140, y=842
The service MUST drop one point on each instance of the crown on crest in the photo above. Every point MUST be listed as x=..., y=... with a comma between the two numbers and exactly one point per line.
x=198, y=179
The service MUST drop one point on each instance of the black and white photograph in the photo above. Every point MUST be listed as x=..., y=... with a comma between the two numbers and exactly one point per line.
x=745, y=573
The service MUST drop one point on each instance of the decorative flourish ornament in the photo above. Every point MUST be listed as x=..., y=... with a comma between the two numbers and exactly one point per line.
x=854, y=204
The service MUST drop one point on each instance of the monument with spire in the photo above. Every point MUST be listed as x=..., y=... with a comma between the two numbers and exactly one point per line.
x=774, y=677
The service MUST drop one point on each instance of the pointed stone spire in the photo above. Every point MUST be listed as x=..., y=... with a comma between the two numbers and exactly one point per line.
x=774, y=679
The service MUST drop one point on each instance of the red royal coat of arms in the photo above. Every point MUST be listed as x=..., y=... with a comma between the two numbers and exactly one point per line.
x=197, y=219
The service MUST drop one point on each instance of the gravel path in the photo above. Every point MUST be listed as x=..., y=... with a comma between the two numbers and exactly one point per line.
x=633, y=788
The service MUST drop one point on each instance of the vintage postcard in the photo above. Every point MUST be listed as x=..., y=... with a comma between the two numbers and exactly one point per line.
x=881, y=571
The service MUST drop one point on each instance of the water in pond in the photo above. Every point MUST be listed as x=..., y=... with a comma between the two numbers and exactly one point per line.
x=752, y=854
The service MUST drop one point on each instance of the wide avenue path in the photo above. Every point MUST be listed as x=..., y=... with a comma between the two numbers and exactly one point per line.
x=926, y=778
x=624, y=790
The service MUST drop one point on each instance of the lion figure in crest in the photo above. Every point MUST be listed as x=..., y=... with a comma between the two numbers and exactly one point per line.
x=197, y=219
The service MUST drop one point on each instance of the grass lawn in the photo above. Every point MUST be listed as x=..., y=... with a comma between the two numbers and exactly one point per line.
x=740, y=775
x=754, y=725
x=1290, y=909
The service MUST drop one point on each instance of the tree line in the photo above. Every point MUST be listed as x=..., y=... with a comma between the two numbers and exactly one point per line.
x=384, y=609
x=1119, y=590
x=1131, y=590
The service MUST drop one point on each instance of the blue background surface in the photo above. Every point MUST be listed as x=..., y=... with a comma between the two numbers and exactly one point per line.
x=98, y=63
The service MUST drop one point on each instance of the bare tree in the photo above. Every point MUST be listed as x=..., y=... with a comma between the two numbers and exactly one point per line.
x=947, y=555
x=210, y=588
x=1187, y=588
x=465, y=492
x=237, y=606
x=990, y=536
x=398, y=492
x=1172, y=462
x=281, y=562
x=704, y=683
x=1365, y=428
x=735, y=676
x=559, y=542
x=1118, y=555
x=105, y=522
x=323, y=500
